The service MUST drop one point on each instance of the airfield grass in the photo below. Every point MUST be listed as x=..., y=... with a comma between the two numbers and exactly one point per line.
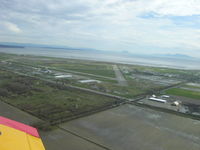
x=184, y=93
x=84, y=66
x=91, y=76
x=28, y=68
x=96, y=70
x=91, y=68
x=47, y=101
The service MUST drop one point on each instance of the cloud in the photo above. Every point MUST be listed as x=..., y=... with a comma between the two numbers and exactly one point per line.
x=12, y=27
x=148, y=26
x=177, y=8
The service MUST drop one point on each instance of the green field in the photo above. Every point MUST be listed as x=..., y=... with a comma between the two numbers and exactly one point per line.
x=183, y=92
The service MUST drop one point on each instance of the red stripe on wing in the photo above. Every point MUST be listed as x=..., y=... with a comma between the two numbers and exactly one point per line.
x=19, y=126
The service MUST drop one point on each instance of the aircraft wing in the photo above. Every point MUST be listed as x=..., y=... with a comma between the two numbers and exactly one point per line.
x=18, y=136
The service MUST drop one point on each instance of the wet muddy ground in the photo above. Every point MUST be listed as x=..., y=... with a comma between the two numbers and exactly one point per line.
x=129, y=127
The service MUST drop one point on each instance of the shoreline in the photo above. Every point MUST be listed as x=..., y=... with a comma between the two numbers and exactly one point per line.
x=103, y=57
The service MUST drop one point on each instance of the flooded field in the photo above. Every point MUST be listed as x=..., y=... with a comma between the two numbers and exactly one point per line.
x=130, y=127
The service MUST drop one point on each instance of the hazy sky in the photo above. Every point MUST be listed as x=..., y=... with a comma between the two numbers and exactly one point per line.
x=139, y=26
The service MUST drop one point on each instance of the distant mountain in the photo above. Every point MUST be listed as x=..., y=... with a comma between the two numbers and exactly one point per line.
x=124, y=52
x=22, y=45
x=10, y=46
x=177, y=56
x=28, y=45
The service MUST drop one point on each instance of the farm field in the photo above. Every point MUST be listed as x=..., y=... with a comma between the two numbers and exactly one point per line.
x=50, y=102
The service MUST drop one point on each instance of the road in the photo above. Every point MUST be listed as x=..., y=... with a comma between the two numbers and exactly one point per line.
x=120, y=78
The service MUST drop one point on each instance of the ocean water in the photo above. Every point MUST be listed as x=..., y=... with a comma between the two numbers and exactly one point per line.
x=180, y=63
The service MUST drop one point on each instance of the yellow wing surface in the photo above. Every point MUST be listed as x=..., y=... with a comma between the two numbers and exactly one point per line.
x=13, y=138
